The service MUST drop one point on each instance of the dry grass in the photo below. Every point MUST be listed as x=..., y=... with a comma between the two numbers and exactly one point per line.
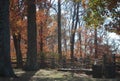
x=51, y=75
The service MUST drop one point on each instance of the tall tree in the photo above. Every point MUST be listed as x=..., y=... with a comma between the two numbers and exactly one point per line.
x=32, y=33
x=16, y=27
x=74, y=27
x=5, y=64
x=17, y=39
x=59, y=30
x=94, y=18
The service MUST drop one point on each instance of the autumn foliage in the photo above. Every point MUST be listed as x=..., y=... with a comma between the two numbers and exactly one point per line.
x=47, y=32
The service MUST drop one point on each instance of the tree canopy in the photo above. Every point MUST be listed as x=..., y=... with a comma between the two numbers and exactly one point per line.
x=99, y=10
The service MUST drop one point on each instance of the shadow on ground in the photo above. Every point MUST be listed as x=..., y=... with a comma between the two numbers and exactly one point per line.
x=51, y=75
x=22, y=76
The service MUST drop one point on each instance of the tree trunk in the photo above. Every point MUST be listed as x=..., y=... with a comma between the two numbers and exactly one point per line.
x=74, y=27
x=32, y=33
x=95, y=42
x=5, y=64
x=17, y=39
x=59, y=31
x=65, y=42
x=80, y=44
x=85, y=44
x=72, y=38
x=41, y=37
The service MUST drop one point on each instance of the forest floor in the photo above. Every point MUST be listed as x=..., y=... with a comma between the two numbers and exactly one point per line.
x=52, y=75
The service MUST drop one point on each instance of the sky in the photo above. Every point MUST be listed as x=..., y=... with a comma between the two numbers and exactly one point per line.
x=114, y=36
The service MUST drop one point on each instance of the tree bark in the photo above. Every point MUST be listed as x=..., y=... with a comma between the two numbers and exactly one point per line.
x=41, y=37
x=5, y=64
x=74, y=27
x=80, y=44
x=59, y=31
x=17, y=39
x=32, y=34
x=96, y=45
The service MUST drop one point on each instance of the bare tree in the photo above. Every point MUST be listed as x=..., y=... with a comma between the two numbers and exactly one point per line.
x=73, y=30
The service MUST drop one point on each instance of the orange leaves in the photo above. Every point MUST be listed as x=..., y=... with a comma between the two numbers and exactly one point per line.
x=41, y=17
x=19, y=22
x=112, y=4
x=84, y=4
x=13, y=3
x=79, y=29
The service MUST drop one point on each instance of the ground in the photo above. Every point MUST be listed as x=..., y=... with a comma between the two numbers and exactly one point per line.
x=52, y=75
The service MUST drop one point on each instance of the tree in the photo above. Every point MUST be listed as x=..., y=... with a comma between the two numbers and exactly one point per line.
x=32, y=34
x=106, y=9
x=17, y=39
x=114, y=24
x=94, y=18
x=16, y=27
x=59, y=30
x=5, y=64
x=73, y=30
x=96, y=43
